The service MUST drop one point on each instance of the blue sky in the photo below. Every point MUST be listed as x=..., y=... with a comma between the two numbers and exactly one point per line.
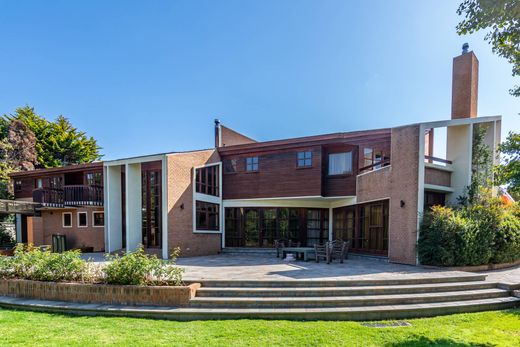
x=150, y=76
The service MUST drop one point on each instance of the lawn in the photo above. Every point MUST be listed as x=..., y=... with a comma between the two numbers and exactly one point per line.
x=500, y=328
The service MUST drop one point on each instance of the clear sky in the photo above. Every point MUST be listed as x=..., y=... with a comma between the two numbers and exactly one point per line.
x=145, y=77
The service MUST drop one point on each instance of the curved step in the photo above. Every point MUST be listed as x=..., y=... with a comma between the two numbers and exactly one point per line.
x=335, y=313
x=341, y=291
x=345, y=301
x=338, y=283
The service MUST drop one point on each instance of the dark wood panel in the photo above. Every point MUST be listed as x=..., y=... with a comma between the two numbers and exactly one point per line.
x=278, y=176
x=340, y=185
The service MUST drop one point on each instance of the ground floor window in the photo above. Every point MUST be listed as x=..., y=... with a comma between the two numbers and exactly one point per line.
x=82, y=220
x=98, y=219
x=66, y=218
x=365, y=226
x=259, y=227
x=433, y=199
x=207, y=216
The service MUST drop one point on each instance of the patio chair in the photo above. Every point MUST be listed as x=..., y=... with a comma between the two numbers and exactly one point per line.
x=338, y=250
x=322, y=251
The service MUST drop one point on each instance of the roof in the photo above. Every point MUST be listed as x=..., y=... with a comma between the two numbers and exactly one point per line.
x=57, y=170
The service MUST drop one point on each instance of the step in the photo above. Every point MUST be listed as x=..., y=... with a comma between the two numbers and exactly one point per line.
x=330, y=313
x=338, y=282
x=341, y=291
x=345, y=301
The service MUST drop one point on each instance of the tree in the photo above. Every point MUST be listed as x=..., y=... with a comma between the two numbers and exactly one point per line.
x=508, y=172
x=58, y=143
x=502, y=18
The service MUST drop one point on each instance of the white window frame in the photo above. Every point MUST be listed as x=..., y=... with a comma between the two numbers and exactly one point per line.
x=207, y=198
x=94, y=219
x=86, y=219
x=63, y=220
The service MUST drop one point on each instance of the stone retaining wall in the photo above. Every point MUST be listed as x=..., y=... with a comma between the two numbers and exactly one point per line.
x=99, y=293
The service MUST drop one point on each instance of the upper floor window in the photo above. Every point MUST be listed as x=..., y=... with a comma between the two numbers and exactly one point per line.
x=56, y=182
x=17, y=185
x=38, y=183
x=230, y=165
x=252, y=164
x=304, y=159
x=367, y=156
x=207, y=180
x=94, y=178
x=340, y=163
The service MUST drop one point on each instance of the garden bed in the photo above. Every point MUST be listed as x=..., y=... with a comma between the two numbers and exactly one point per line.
x=99, y=293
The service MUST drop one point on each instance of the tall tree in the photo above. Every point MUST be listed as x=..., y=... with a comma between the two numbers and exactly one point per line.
x=502, y=20
x=508, y=173
x=57, y=143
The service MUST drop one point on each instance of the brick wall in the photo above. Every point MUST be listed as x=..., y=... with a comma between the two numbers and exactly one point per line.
x=180, y=193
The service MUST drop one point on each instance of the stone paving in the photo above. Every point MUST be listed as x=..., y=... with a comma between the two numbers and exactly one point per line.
x=266, y=267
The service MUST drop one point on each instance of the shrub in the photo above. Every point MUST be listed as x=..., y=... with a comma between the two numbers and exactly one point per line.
x=483, y=233
x=139, y=268
x=5, y=236
x=32, y=263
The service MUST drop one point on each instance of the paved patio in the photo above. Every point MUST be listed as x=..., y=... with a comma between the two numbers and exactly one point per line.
x=266, y=267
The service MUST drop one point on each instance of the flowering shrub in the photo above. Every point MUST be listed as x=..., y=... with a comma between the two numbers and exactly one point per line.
x=139, y=268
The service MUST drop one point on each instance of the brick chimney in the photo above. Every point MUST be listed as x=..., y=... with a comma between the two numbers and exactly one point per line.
x=464, y=89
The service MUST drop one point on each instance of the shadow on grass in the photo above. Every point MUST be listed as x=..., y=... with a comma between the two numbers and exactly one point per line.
x=424, y=341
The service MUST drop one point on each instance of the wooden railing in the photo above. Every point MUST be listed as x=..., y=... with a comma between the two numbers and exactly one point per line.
x=433, y=160
x=376, y=165
x=75, y=195
x=80, y=195
x=48, y=197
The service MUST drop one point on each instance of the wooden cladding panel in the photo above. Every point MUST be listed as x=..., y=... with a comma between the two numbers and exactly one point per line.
x=341, y=185
x=278, y=176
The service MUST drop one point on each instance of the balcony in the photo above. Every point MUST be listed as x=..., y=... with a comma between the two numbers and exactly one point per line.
x=72, y=195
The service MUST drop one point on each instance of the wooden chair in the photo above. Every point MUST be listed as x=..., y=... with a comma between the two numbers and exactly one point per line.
x=322, y=251
x=338, y=250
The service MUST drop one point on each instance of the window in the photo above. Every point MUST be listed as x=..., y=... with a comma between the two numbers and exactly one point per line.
x=230, y=165
x=340, y=163
x=367, y=156
x=82, y=220
x=98, y=219
x=94, y=178
x=304, y=159
x=38, y=183
x=56, y=182
x=17, y=186
x=207, y=216
x=207, y=180
x=252, y=164
x=66, y=219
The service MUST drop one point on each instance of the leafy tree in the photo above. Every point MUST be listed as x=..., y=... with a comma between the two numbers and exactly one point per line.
x=508, y=172
x=502, y=18
x=58, y=142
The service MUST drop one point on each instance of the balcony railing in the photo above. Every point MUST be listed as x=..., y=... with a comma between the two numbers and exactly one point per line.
x=74, y=195
x=375, y=166
x=435, y=160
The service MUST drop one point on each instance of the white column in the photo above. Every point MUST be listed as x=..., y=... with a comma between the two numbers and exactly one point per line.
x=165, y=207
x=458, y=150
x=113, y=208
x=18, y=228
x=133, y=206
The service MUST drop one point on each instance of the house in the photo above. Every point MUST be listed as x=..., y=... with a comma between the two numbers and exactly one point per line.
x=369, y=187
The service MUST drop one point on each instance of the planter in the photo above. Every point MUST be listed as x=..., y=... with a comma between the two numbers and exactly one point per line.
x=99, y=293
x=475, y=268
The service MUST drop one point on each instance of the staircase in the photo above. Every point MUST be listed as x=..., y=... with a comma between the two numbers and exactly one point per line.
x=347, y=299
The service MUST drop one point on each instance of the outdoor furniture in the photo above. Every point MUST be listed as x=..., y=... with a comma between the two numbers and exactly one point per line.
x=338, y=249
x=282, y=243
x=322, y=251
x=301, y=252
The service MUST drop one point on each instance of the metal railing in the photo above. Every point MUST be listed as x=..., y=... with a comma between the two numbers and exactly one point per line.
x=376, y=165
x=48, y=197
x=73, y=195
x=434, y=160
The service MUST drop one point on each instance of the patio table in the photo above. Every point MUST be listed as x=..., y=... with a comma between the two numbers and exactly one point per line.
x=299, y=251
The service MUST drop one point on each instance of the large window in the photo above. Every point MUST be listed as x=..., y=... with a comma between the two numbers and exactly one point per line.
x=252, y=164
x=340, y=163
x=304, y=159
x=151, y=208
x=207, y=216
x=207, y=180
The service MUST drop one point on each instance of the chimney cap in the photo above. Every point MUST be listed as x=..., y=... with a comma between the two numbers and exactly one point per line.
x=465, y=48
x=217, y=122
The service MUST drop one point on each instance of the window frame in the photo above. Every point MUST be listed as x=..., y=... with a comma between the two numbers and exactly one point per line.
x=307, y=160
x=351, y=172
x=79, y=219
x=94, y=225
x=230, y=163
x=203, y=184
x=254, y=166
x=207, y=227
x=63, y=220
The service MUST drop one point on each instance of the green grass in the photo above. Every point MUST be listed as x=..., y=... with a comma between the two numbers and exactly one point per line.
x=499, y=328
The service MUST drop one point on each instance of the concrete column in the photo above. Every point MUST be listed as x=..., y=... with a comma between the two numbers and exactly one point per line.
x=134, y=218
x=18, y=228
x=459, y=151
x=113, y=208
